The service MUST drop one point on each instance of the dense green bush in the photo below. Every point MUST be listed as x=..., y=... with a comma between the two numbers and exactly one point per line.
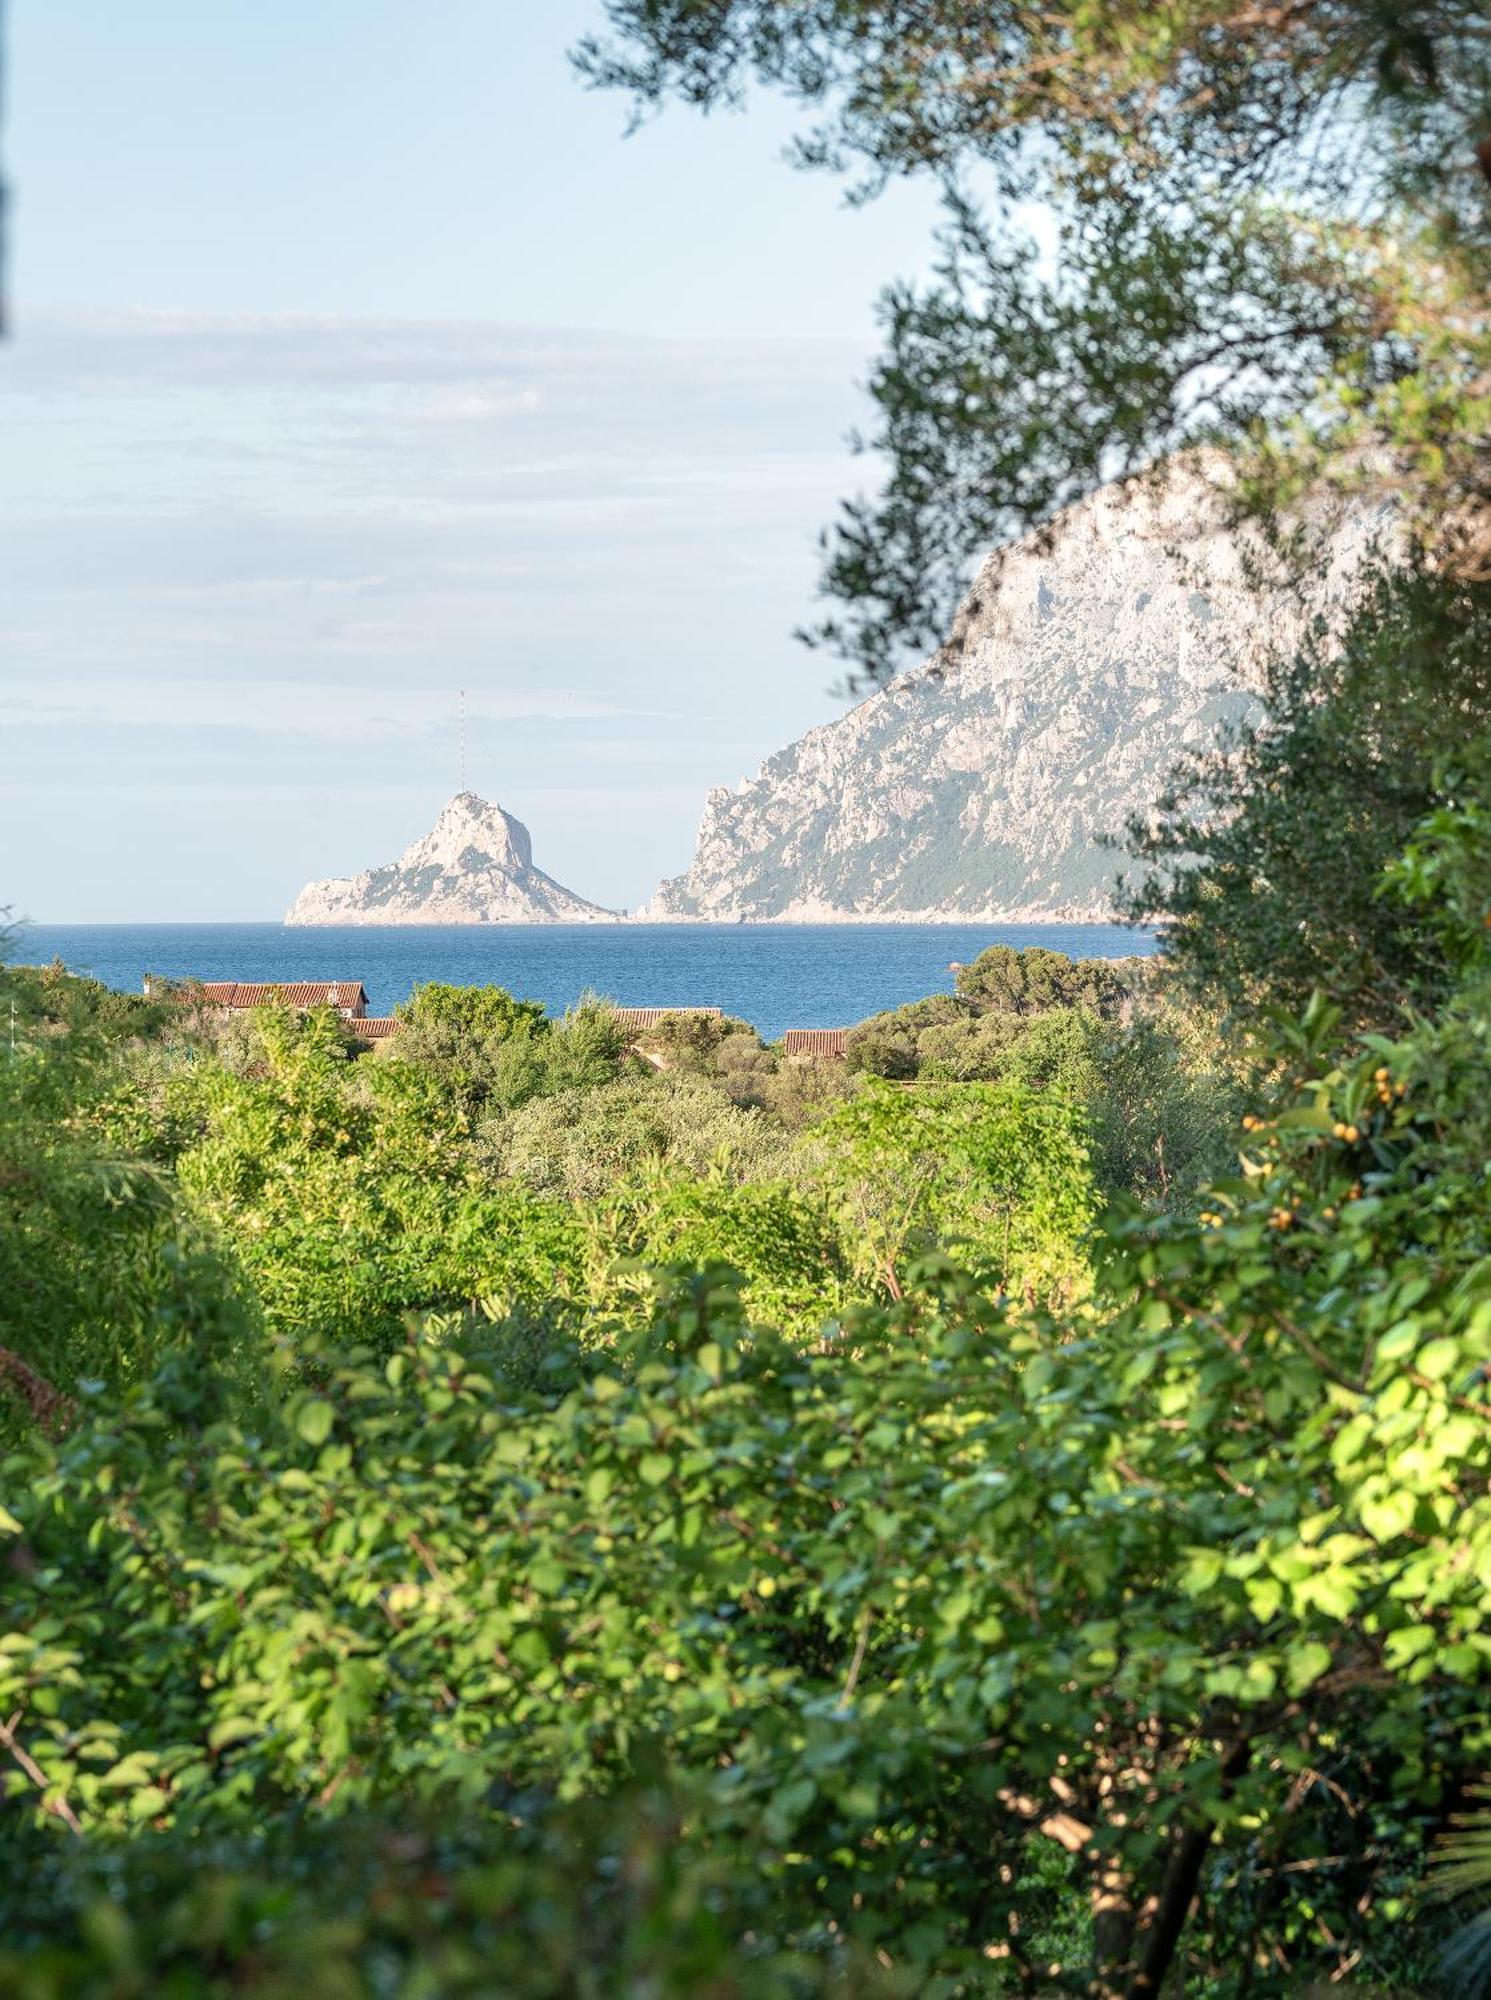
x=101, y=1265
x=1004, y=980
x=1265, y=858
x=350, y=1192
x=1000, y=1175
x=545, y=1903
x=578, y=1143
x=485, y=1050
x=1157, y=1093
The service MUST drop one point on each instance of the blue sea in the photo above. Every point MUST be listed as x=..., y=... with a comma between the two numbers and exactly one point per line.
x=776, y=976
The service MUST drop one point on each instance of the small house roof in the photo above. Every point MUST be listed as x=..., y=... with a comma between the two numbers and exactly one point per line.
x=344, y=993
x=374, y=1027
x=648, y=1017
x=815, y=1041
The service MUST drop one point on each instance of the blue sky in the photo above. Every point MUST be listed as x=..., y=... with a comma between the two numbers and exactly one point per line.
x=358, y=356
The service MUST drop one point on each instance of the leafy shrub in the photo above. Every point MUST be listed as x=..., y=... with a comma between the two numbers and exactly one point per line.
x=780, y=1240
x=351, y=1207
x=998, y=1173
x=577, y=1144
x=101, y=1267
x=543, y=1903
x=1007, y=980
x=1266, y=857
x=473, y=1041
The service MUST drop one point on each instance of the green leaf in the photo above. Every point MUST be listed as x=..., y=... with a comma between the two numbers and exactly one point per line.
x=131, y=1770
x=232, y=1729
x=1408, y=1644
x=656, y=1467
x=1438, y=1359
x=1389, y=1516
x=1304, y=1664
x=314, y=1420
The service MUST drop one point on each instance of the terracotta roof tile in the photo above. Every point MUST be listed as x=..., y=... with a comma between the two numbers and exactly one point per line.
x=814, y=1041
x=648, y=1017
x=348, y=994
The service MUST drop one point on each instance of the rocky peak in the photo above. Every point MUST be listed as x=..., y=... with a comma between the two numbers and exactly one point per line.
x=474, y=866
x=473, y=832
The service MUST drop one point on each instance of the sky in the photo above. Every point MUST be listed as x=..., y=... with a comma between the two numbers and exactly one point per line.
x=357, y=356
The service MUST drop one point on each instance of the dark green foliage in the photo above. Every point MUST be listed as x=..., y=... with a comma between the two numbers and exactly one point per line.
x=967, y=1048
x=968, y=1035
x=50, y=998
x=474, y=1041
x=546, y=1903
x=1267, y=857
x=885, y=1045
x=1004, y=980
x=694, y=1041
x=1462, y=1875
x=729, y=1052
x=487, y=1051
x=101, y=1268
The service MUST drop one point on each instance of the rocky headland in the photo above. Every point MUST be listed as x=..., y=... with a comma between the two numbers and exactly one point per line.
x=981, y=784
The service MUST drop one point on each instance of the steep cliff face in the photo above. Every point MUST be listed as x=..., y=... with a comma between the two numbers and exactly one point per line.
x=475, y=866
x=980, y=785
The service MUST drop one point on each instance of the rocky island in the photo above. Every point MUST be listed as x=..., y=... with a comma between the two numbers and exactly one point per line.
x=475, y=866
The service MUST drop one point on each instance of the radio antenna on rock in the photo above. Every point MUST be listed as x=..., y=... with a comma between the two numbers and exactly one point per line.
x=463, y=740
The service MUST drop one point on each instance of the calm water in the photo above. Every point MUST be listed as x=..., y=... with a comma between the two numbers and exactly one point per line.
x=776, y=976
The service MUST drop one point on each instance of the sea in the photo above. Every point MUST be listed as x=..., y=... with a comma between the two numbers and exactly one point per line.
x=776, y=976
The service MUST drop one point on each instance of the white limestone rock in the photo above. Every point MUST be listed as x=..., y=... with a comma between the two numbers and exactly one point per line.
x=978, y=786
x=475, y=866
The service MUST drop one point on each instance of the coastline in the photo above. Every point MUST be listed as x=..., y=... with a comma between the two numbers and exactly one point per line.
x=798, y=917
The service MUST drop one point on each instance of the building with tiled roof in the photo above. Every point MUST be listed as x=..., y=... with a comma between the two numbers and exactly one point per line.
x=815, y=1044
x=642, y=1018
x=374, y=1027
x=348, y=996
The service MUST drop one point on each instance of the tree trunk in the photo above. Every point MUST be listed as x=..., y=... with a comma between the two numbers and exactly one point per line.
x=1162, y=1930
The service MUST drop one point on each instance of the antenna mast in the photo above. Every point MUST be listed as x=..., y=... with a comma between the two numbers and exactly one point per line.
x=463, y=739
